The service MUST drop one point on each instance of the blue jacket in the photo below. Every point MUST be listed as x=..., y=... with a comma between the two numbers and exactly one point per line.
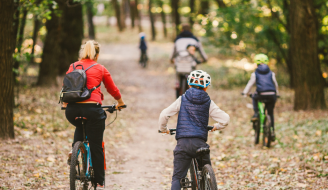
x=264, y=82
x=194, y=114
x=143, y=45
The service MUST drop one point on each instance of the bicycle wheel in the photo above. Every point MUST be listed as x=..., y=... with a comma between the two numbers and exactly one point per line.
x=183, y=85
x=208, y=181
x=256, y=127
x=193, y=176
x=267, y=131
x=78, y=167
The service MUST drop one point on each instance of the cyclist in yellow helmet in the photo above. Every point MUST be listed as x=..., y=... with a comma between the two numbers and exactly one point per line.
x=266, y=87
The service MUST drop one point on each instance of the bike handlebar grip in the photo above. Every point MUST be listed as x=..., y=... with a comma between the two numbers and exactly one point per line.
x=124, y=106
x=209, y=128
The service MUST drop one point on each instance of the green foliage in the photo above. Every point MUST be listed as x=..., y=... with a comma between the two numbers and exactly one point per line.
x=250, y=27
x=247, y=29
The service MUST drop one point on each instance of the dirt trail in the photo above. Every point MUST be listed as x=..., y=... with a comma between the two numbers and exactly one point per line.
x=146, y=92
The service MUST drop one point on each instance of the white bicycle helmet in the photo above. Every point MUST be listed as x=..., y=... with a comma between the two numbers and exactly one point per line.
x=199, y=78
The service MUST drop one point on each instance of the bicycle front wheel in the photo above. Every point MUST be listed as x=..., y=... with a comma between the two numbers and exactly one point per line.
x=78, y=167
x=267, y=131
x=208, y=181
x=257, y=130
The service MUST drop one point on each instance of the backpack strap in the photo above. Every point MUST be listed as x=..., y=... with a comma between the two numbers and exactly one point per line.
x=90, y=66
x=95, y=87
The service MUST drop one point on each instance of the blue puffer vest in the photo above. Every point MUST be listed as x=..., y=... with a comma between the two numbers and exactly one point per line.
x=194, y=114
x=264, y=82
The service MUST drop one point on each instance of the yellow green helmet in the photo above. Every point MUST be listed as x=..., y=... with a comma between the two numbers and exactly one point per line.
x=261, y=58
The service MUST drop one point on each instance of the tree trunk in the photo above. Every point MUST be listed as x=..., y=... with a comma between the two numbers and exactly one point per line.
x=34, y=37
x=221, y=3
x=20, y=42
x=163, y=18
x=175, y=8
x=117, y=14
x=91, y=26
x=132, y=9
x=307, y=75
x=123, y=14
x=152, y=21
x=35, y=33
x=138, y=15
x=204, y=7
x=192, y=12
x=71, y=36
x=7, y=47
x=51, y=52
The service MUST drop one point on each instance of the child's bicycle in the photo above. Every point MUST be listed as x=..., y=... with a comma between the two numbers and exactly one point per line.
x=81, y=169
x=262, y=124
x=201, y=177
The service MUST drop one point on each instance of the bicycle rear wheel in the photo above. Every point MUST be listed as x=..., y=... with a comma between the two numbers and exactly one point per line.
x=78, y=167
x=257, y=130
x=184, y=85
x=208, y=181
x=193, y=175
x=267, y=131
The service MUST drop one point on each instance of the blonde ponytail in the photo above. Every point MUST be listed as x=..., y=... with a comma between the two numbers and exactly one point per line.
x=89, y=50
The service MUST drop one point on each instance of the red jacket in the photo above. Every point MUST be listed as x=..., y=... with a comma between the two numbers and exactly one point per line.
x=95, y=75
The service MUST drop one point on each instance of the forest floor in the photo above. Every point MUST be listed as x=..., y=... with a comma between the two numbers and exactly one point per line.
x=137, y=157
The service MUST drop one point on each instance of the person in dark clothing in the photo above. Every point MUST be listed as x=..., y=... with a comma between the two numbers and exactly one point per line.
x=194, y=108
x=266, y=88
x=143, y=48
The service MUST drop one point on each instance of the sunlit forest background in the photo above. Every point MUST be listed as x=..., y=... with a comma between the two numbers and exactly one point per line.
x=39, y=39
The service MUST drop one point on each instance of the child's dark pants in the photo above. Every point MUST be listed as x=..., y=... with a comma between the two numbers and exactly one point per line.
x=95, y=127
x=183, y=153
x=269, y=104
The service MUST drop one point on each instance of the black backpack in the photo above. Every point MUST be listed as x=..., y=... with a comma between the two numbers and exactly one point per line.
x=74, y=86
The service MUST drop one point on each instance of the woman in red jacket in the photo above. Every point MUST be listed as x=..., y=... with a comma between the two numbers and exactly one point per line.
x=91, y=108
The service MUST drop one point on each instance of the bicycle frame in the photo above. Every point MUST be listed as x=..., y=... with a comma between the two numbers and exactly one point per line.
x=261, y=113
x=197, y=173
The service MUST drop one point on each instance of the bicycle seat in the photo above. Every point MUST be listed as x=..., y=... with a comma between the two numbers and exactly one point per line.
x=80, y=118
x=202, y=151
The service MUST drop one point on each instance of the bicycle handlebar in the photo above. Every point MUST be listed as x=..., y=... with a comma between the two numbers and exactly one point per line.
x=172, y=131
x=250, y=95
x=112, y=108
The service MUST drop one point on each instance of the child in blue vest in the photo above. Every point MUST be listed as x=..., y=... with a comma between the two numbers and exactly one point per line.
x=266, y=87
x=194, y=108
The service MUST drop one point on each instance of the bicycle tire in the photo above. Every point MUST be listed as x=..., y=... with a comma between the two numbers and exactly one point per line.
x=193, y=176
x=74, y=182
x=183, y=85
x=208, y=181
x=257, y=130
x=267, y=131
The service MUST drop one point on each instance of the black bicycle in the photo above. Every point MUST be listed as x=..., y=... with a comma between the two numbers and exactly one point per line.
x=81, y=167
x=201, y=177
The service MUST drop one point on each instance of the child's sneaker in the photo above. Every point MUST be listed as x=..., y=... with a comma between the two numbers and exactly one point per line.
x=69, y=158
x=100, y=187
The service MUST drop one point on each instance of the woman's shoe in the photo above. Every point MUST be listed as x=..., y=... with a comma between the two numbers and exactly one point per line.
x=100, y=187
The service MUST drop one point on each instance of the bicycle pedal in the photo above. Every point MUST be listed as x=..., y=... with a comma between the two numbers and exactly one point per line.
x=185, y=183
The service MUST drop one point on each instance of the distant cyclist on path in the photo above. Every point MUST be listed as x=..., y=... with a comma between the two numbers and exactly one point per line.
x=266, y=87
